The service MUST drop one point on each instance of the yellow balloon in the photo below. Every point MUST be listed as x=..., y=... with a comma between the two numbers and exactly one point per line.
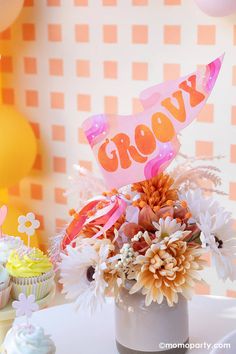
x=4, y=196
x=17, y=146
x=11, y=224
x=0, y=86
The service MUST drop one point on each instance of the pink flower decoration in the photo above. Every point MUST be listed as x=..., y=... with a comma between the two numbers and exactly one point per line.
x=25, y=306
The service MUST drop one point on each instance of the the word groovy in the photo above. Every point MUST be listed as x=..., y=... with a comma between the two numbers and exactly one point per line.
x=161, y=129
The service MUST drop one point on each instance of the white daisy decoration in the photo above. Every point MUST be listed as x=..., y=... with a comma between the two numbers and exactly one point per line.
x=82, y=274
x=218, y=236
x=28, y=224
x=166, y=227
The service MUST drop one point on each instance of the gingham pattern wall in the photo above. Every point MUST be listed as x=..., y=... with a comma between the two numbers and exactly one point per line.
x=64, y=60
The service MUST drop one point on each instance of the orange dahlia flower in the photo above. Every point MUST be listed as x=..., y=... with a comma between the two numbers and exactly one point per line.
x=155, y=192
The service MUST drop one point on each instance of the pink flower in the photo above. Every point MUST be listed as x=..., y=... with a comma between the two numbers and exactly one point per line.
x=25, y=305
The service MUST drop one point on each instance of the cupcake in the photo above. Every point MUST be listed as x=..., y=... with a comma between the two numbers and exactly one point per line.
x=28, y=339
x=8, y=244
x=31, y=272
x=5, y=287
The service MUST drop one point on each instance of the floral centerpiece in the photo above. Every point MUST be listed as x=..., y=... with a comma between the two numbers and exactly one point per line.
x=145, y=243
x=157, y=244
x=155, y=248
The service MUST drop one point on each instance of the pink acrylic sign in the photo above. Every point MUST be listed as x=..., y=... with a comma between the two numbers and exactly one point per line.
x=137, y=147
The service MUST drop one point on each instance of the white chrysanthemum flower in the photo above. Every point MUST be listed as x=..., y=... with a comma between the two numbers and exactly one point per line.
x=195, y=201
x=216, y=231
x=198, y=204
x=82, y=274
x=166, y=227
x=218, y=236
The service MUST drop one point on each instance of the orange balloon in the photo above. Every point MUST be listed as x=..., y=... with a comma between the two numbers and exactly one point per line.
x=9, y=11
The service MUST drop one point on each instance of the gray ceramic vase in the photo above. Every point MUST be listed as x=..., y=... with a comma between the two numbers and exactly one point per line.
x=143, y=330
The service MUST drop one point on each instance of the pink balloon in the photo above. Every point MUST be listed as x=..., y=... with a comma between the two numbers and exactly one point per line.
x=217, y=8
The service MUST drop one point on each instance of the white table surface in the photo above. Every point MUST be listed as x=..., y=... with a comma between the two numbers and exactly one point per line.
x=210, y=319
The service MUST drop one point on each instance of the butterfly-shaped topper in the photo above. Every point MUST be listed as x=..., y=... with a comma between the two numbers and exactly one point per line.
x=137, y=147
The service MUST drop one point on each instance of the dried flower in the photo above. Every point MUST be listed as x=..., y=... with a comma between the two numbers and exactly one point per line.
x=189, y=175
x=127, y=256
x=138, y=236
x=84, y=185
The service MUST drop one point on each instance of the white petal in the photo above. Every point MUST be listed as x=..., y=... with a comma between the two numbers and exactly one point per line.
x=22, y=228
x=20, y=312
x=36, y=224
x=30, y=231
x=22, y=219
x=31, y=298
x=30, y=216
x=15, y=304
x=22, y=297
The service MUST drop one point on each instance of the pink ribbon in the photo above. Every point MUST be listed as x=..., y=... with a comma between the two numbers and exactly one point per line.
x=120, y=208
x=77, y=223
x=106, y=216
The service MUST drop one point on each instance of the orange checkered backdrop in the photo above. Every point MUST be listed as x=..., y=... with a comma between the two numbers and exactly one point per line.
x=64, y=60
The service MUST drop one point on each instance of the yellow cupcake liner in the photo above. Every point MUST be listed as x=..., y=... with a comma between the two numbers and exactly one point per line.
x=38, y=286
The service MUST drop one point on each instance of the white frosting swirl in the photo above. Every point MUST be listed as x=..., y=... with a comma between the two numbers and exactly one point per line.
x=8, y=244
x=28, y=339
